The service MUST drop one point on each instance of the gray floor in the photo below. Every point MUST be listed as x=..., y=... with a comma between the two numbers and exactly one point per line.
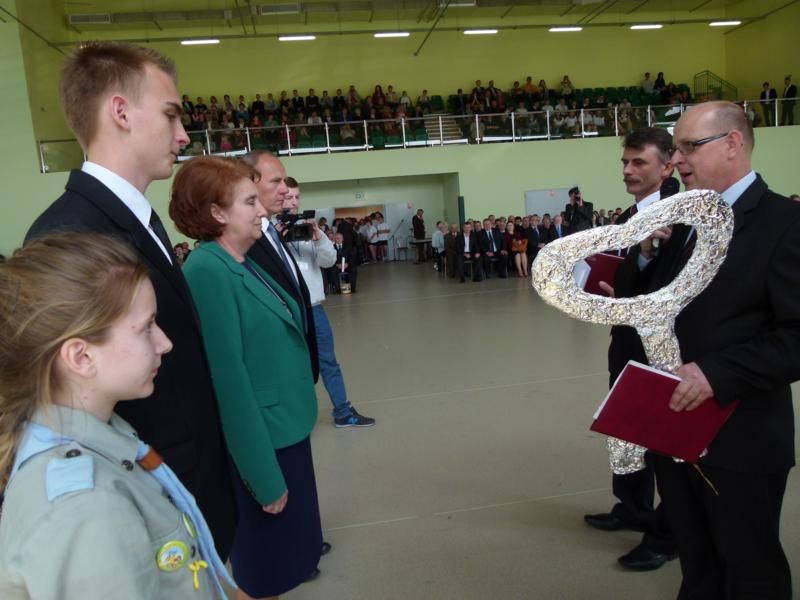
x=475, y=480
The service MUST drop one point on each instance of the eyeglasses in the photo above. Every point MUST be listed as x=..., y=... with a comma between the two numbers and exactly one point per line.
x=686, y=148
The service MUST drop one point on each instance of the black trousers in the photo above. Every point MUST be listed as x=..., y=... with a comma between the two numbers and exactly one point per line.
x=728, y=537
x=501, y=262
x=787, y=116
x=462, y=267
x=769, y=113
x=636, y=495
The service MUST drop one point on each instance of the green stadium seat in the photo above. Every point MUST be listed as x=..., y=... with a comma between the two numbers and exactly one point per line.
x=421, y=135
x=318, y=141
x=437, y=104
x=304, y=142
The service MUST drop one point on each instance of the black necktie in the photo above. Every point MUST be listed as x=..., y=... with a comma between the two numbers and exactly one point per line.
x=158, y=228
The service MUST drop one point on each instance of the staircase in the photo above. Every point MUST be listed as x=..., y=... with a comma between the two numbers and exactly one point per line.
x=708, y=86
x=451, y=131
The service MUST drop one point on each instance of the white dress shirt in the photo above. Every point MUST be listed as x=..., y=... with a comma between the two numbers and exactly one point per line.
x=130, y=197
x=310, y=256
x=265, y=225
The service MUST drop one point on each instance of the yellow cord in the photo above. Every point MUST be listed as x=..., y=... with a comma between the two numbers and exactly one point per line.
x=194, y=568
x=706, y=479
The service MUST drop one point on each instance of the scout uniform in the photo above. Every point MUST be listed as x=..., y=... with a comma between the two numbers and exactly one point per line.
x=82, y=520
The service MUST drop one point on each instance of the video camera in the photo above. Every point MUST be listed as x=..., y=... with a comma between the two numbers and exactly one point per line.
x=296, y=226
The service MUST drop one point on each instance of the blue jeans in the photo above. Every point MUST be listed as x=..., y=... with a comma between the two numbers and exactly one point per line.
x=328, y=367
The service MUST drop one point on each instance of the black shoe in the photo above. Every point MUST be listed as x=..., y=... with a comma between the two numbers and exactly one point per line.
x=326, y=547
x=607, y=522
x=314, y=575
x=354, y=420
x=642, y=558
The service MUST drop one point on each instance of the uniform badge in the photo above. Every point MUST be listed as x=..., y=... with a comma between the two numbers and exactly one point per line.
x=172, y=556
x=187, y=522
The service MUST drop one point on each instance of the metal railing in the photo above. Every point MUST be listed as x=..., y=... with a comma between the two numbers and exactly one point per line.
x=434, y=130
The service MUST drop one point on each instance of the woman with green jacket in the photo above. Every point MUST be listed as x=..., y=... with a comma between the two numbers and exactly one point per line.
x=262, y=376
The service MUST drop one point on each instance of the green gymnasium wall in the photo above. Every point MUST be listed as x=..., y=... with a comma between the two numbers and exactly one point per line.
x=491, y=177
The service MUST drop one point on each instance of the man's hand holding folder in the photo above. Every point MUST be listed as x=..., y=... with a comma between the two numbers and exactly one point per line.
x=649, y=407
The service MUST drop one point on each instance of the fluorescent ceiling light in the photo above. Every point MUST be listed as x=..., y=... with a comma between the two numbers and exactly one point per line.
x=480, y=31
x=296, y=38
x=564, y=29
x=392, y=34
x=724, y=23
x=653, y=26
x=198, y=42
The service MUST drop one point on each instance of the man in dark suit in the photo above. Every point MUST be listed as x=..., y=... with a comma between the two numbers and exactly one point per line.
x=558, y=229
x=270, y=253
x=467, y=248
x=490, y=243
x=345, y=263
x=768, y=97
x=789, y=98
x=578, y=212
x=739, y=340
x=418, y=227
x=645, y=166
x=534, y=236
x=131, y=137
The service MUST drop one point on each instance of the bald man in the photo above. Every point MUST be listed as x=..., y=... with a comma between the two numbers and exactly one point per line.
x=740, y=341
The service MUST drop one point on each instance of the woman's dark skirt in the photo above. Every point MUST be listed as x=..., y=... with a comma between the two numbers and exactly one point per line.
x=273, y=554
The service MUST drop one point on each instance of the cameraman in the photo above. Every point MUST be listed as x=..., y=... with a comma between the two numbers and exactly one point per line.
x=578, y=212
x=311, y=255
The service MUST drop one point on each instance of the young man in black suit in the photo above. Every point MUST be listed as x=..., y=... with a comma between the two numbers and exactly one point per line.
x=739, y=340
x=131, y=132
x=467, y=248
x=646, y=164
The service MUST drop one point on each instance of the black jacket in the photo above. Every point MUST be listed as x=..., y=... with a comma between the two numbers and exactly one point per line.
x=743, y=330
x=265, y=256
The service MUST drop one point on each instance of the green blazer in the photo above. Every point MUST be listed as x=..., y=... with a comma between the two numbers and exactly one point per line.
x=259, y=364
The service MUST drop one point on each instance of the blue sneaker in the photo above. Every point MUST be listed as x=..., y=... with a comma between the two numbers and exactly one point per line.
x=354, y=420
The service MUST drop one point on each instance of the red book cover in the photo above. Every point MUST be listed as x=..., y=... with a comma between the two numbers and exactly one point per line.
x=592, y=270
x=637, y=410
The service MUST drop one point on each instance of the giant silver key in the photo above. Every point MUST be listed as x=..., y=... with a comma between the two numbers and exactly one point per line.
x=652, y=315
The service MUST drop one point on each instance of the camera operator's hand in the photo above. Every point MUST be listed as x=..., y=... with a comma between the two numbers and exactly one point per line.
x=280, y=228
x=317, y=235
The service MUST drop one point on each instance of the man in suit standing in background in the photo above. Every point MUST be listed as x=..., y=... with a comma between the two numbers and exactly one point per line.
x=789, y=98
x=418, y=227
x=739, y=340
x=768, y=97
x=270, y=253
x=578, y=213
x=122, y=104
x=645, y=166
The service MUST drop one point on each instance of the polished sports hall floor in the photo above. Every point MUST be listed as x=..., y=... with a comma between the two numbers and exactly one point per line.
x=474, y=482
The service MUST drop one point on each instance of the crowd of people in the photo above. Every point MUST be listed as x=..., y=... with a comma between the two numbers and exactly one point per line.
x=385, y=111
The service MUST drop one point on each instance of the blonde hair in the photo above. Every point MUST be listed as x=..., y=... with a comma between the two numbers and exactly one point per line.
x=98, y=68
x=60, y=286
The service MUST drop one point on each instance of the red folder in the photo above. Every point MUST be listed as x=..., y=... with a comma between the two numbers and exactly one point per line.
x=601, y=267
x=637, y=410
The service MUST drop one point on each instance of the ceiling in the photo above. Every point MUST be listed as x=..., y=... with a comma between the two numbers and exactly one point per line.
x=129, y=19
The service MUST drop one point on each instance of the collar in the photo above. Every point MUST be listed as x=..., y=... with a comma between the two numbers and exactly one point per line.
x=123, y=189
x=115, y=439
x=732, y=194
x=648, y=200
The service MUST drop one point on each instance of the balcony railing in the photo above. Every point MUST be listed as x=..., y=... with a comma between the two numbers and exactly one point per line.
x=433, y=130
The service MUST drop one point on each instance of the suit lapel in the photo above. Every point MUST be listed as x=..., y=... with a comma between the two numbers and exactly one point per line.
x=747, y=202
x=109, y=204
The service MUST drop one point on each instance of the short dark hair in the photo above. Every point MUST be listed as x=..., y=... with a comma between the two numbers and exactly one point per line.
x=199, y=183
x=638, y=139
x=291, y=182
